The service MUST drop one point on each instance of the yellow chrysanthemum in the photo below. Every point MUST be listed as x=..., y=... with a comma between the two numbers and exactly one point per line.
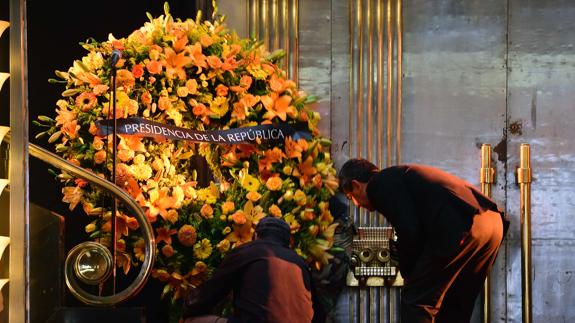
x=141, y=172
x=203, y=249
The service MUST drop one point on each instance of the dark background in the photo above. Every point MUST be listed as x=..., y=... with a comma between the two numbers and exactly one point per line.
x=55, y=29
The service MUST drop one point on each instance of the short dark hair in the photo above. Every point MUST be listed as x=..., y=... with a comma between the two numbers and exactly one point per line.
x=357, y=169
x=275, y=229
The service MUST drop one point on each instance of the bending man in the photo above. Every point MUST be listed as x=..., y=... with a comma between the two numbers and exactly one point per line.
x=448, y=234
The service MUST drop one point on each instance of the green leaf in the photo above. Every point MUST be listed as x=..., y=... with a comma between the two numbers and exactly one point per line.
x=71, y=92
x=46, y=119
x=55, y=81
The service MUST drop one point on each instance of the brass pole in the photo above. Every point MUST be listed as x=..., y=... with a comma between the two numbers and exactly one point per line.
x=399, y=67
x=295, y=49
x=359, y=84
x=486, y=179
x=369, y=75
x=524, y=180
x=285, y=34
x=265, y=15
x=275, y=25
x=380, y=84
x=389, y=102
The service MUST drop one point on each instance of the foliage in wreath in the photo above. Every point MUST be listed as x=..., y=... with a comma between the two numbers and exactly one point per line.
x=196, y=75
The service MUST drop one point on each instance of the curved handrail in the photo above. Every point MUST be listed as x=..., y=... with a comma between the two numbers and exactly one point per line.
x=150, y=244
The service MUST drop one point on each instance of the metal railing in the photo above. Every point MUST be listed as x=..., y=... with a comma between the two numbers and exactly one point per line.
x=145, y=226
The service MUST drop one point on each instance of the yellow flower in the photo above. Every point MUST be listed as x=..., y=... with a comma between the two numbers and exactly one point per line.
x=288, y=195
x=90, y=227
x=226, y=230
x=203, y=249
x=248, y=181
x=275, y=211
x=141, y=172
x=253, y=196
x=228, y=207
x=300, y=198
x=219, y=106
x=223, y=245
x=139, y=247
x=182, y=91
x=274, y=183
x=293, y=223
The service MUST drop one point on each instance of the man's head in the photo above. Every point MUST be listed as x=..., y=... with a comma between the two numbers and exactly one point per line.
x=353, y=178
x=270, y=228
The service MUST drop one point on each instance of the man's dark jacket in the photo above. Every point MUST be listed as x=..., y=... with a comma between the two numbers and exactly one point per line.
x=270, y=283
x=425, y=204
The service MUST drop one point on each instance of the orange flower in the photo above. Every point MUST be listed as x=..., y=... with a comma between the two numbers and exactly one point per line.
x=93, y=130
x=167, y=251
x=187, y=235
x=253, y=196
x=72, y=195
x=275, y=211
x=71, y=129
x=300, y=198
x=200, y=110
x=181, y=42
x=164, y=103
x=198, y=59
x=274, y=183
x=228, y=207
x=277, y=106
x=100, y=89
x=239, y=217
x=239, y=111
x=307, y=170
x=175, y=64
x=86, y=101
x=245, y=83
x=138, y=70
x=100, y=156
x=131, y=142
x=207, y=212
x=271, y=156
x=125, y=79
x=294, y=149
x=249, y=100
x=230, y=158
x=165, y=234
x=206, y=40
x=123, y=224
x=214, y=62
x=146, y=98
x=221, y=90
x=192, y=86
x=154, y=67
x=277, y=84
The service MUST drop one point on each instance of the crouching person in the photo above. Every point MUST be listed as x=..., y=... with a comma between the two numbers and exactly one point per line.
x=269, y=281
